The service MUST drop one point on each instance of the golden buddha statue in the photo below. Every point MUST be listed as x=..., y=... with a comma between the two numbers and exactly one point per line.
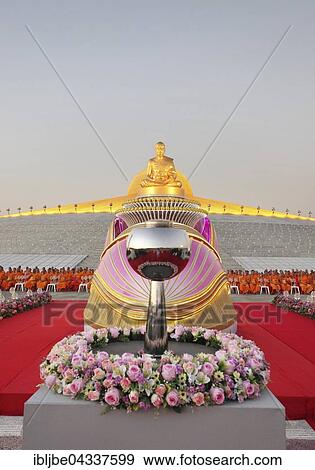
x=161, y=170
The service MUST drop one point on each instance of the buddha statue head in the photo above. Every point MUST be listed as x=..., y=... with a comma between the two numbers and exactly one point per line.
x=159, y=150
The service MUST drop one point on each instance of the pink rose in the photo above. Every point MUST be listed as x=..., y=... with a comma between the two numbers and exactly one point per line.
x=134, y=396
x=90, y=360
x=217, y=395
x=195, y=330
x=125, y=383
x=99, y=374
x=208, y=334
x=179, y=330
x=220, y=355
x=160, y=390
x=172, y=398
x=89, y=336
x=127, y=357
x=76, y=360
x=108, y=383
x=69, y=374
x=198, y=398
x=67, y=390
x=134, y=372
x=228, y=392
x=107, y=365
x=208, y=369
x=114, y=332
x=76, y=386
x=102, y=356
x=50, y=380
x=253, y=363
x=189, y=367
x=112, y=396
x=147, y=366
x=156, y=400
x=169, y=372
x=249, y=388
x=229, y=367
x=187, y=357
x=94, y=395
x=102, y=332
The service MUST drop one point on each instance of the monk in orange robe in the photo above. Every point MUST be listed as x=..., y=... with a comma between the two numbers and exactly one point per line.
x=275, y=285
x=9, y=280
x=76, y=279
x=50, y=276
x=31, y=282
x=2, y=276
x=69, y=277
x=90, y=278
x=43, y=281
x=265, y=279
x=18, y=274
x=244, y=283
x=306, y=284
x=285, y=283
x=254, y=283
x=62, y=284
x=53, y=276
x=230, y=277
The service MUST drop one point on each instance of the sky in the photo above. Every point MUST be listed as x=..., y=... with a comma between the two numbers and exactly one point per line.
x=145, y=71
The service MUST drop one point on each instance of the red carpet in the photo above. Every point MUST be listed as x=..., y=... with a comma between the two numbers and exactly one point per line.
x=288, y=342
x=25, y=339
x=286, y=338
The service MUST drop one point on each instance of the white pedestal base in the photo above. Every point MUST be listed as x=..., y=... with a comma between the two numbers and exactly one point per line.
x=56, y=422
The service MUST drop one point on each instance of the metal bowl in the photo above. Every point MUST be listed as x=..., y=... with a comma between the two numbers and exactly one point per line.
x=158, y=251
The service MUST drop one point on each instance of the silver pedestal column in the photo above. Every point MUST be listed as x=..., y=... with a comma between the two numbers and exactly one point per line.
x=155, y=339
x=158, y=252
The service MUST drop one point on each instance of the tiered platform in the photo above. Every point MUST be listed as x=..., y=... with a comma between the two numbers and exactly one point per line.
x=239, y=236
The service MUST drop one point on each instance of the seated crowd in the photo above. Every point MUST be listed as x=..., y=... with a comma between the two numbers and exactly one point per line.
x=65, y=279
x=69, y=279
x=250, y=282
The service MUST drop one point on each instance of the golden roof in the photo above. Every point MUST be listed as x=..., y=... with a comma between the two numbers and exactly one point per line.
x=160, y=178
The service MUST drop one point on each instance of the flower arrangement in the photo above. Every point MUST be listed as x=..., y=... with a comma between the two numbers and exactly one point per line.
x=234, y=369
x=9, y=308
x=303, y=307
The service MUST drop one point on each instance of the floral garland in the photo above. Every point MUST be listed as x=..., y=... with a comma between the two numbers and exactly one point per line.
x=76, y=366
x=303, y=307
x=9, y=308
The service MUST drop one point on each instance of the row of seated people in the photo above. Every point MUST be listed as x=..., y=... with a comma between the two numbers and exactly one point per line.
x=250, y=282
x=64, y=279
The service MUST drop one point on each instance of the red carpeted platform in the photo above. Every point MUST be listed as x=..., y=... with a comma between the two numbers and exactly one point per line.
x=288, y=342
x=286, y=338
x=25, y=339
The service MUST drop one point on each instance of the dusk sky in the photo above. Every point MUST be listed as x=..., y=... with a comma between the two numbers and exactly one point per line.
x=144, y=71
